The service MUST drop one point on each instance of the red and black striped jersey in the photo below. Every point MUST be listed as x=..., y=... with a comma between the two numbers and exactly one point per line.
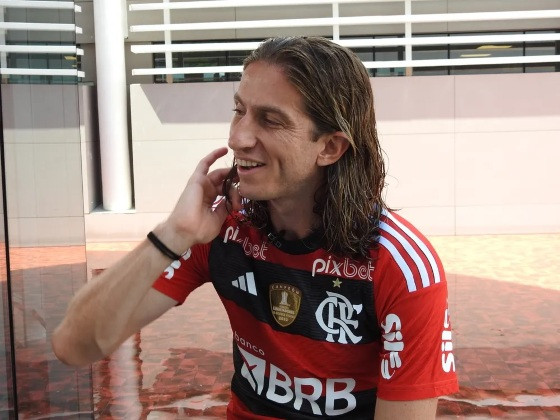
x=316, y=335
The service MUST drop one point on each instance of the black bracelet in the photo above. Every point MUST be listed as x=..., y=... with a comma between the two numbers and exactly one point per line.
x=162, y=248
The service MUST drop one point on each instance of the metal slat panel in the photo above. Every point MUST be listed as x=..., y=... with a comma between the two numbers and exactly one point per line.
x=351, y=43
x=40, y=49
x=370, y=64
x=407, y=19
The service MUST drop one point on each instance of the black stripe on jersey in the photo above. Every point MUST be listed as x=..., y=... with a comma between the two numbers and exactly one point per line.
x=260, y=404
x=228, y=262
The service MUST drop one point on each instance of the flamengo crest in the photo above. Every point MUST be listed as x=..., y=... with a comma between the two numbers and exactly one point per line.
x=284, y=303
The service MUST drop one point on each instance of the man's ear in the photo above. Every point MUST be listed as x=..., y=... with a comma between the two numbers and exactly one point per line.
x=334, y=146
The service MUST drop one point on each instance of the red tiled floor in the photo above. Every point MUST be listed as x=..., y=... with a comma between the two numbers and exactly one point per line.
x=504, y=295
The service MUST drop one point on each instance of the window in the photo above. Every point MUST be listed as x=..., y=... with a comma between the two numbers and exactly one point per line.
x=380, y=54
x=42, y=61
x=201, y=59
x=430, y=52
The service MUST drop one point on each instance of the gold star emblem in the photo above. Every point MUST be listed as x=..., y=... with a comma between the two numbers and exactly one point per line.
x=336, y=283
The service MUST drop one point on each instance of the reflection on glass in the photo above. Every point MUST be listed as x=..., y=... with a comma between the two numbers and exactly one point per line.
x=46, y=230
x=389, y=54
x=430, y=53
x=45, y=218
x=7, y=397
x=542, y=48
x=487, y=51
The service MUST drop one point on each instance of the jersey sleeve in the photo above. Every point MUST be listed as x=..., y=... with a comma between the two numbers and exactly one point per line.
x=416, y=360
x=182, y=276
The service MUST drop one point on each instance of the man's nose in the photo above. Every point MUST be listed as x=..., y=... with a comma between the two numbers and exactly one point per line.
x=242, y=133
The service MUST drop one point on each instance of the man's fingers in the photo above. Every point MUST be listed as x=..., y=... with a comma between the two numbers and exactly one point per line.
x=204, y=165
x=217, y=176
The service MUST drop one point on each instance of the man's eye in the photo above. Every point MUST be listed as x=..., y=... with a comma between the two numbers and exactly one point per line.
x=237, y=111
x=268, y=121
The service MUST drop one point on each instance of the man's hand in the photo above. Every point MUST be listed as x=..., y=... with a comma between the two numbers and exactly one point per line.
x=195, y=219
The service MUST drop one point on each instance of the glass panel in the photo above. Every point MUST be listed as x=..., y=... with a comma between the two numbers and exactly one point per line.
x=235, y=58
x=487, y=50
x=365, y=54
x=430, y=52
x=7, y=398
x=47, y=243
x=389, y=54
x=203, y=59
x=540, y=68
x=51, y=38
x=45, y=214
x=542, y=48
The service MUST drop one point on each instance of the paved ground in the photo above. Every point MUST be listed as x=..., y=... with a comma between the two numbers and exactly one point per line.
x=504, y=295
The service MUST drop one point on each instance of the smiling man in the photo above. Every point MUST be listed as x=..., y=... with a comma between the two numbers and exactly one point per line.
x=338, y=306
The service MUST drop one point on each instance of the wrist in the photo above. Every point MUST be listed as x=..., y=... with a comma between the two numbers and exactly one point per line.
x=176, y=242
x=162, y=247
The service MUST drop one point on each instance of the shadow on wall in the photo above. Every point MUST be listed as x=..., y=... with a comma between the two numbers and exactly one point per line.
x=40, y=107
x=482, y=96
x=189, y=103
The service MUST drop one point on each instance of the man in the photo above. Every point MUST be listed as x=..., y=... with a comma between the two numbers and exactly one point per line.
x=338, y=307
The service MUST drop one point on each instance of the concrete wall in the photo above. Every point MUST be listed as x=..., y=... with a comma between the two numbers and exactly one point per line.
x=465, y=154
x=43, y=164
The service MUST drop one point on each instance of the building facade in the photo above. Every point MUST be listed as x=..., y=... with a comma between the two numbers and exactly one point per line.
x=170, y=68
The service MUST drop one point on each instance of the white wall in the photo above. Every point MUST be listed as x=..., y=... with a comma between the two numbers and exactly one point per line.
x=473, y=154
x=465, y=154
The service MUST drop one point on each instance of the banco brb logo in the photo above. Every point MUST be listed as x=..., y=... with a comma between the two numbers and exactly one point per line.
x=335, y=314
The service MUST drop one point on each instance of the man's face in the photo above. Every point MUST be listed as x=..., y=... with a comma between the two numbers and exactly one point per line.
x=271, y=138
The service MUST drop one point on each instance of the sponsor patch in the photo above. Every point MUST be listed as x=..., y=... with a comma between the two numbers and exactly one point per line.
x=285, y=300
x=393, y=344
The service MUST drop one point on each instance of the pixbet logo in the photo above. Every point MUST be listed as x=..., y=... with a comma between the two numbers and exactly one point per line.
x=339, y=312
x=342, y=268
x=392, y=343
x=283, y=389
x=170, y=270
x=447, y=358
x=254, y=250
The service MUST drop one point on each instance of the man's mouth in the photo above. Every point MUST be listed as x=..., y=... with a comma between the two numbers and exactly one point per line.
x=247, y=164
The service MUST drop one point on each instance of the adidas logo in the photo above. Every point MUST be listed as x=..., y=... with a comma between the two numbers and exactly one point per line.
x=246, y=283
